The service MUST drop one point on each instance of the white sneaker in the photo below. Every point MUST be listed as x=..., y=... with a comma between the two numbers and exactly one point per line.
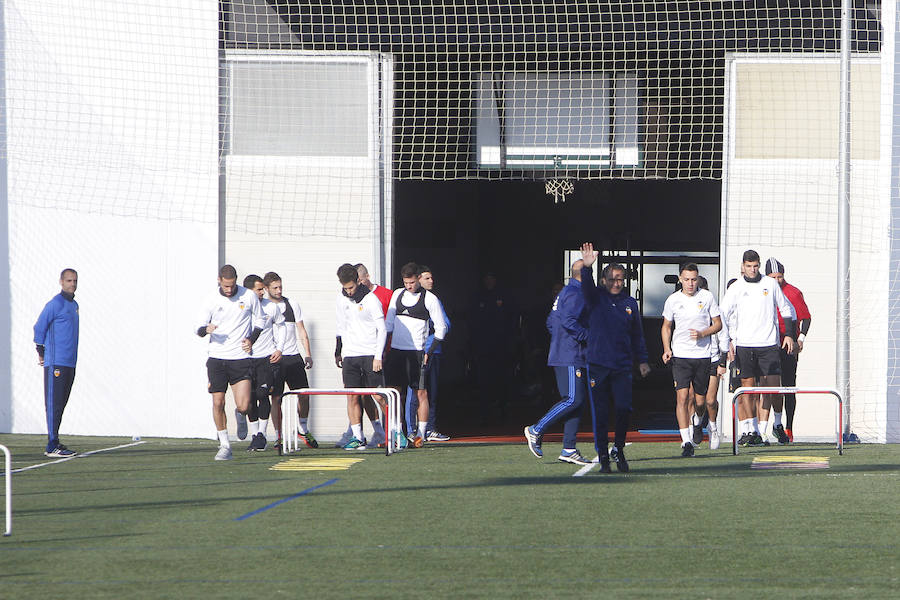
x=377, y=440
x=224, y=453
x=345, y=439
x=714, y=439
x=241, y=424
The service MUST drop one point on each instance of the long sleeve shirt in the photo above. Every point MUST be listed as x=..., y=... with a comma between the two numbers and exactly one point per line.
x=567, y=324
x=615, y=331
x=57, y=331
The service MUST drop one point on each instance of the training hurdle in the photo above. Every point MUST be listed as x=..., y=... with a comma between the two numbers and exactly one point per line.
x=290, y=420
x=7, y=476
x=839, y=417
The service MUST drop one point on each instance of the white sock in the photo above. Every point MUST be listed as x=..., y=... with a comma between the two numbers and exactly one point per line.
x=223, y=438
x=696, y=420
x=569, y=450
x=422, y=427
x=253, y=427
x=301, y=427
x=263, y=426
x=378, y=427
x=777, y=419
x=746, y=425
x=685, y=435
x=712, y=426
x=755, y=424
x=763, y=427
x=357, y=431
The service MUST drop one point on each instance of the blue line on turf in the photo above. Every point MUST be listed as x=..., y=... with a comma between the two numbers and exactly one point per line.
x=283, y=500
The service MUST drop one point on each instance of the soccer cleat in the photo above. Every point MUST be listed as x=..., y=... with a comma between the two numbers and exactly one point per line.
x=618, y=454
x=687, y=450
x=436, y=436
x=355, y=444
x=417, y=442
x=60, y=452
x=604, y=465
x=574, y=457
x=534, y=442
x=279, y=446
x=257, y=443
x=744, y=439
x=755, y=439
x=344, y=439
x=401, y=441
x=224, y=453
x=714, y=439
x=241, y=424
x=790, y=435
x=781, y=434
x=696, y=435
x=308, y=439
x=377, y=440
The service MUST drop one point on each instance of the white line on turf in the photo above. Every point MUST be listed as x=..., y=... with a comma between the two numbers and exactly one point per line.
x=586, y=468
x=62, y=460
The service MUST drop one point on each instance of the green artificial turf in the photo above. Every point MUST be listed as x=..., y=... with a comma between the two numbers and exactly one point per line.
x=158, y=520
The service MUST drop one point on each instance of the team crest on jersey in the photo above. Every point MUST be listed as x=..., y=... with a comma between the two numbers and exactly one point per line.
x=56, y=372
x=765, y=292
x=577, y=372
x=699, y=306
x=593, y=382
x=241, y=305
x=628, y=309
x=359, y=308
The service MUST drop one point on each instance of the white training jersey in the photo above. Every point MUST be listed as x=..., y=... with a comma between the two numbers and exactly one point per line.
x=235, y=318
x=292, y=315
x=410, y=333
x=360, y=325
x=272, y=336
x=749, y=309
x=691, y=312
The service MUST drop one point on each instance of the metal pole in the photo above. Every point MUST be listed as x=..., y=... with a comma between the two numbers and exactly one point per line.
x=843, y=253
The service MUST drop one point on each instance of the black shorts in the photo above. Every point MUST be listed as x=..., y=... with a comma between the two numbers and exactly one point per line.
x=788, y=368
x=263, y=373
x=357, y=372
x=691, y=371
x=404, y=369
x=291, y=370
x=758, y=362
x=220, y=372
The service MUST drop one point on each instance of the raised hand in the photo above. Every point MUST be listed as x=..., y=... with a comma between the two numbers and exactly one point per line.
x=588, y=254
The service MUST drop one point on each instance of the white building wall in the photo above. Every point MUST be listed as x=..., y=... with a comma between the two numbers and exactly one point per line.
x=112, y=152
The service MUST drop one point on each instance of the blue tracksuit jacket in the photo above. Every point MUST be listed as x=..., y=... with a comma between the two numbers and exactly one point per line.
x=567, y=324
x=615, y=332
x=57, y=330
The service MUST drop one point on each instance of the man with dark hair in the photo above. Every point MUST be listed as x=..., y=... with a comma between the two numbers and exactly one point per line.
x=690, y=317
x=359, y=345
x=752, y=301
x=407, y=319
x=568, y=339
x=291, y=369
x=432, y=372
x=615, y=343
x=233, y=320
x=56, y=341
x=266, y=354
x=775, y=270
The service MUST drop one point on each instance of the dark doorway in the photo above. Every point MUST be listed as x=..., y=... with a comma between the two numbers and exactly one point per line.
x=462, y=229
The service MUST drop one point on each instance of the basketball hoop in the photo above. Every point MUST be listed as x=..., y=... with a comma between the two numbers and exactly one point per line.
x=559, y=189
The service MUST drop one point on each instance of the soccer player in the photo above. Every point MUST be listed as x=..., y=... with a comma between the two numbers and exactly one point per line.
x=407, y=319
x=266, y=354
x=775, y=270
x=359, y=345
x=753, y=300
x=56, y=341
x=717, y=369
x=432, y=373
x=233, y=319
x=615, y=343
x=568, y=337
x=690, y=317
x=292, y=367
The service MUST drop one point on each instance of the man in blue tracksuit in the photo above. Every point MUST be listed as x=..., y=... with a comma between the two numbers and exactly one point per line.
x=615, y=343
x=56, y=340
x=568, y=338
